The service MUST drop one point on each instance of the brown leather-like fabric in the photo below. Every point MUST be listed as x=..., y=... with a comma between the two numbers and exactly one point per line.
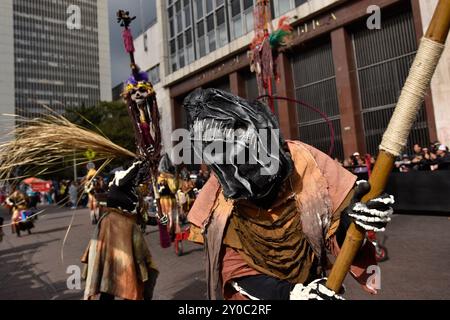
x=119, y=261
x=283, y=242
x=272, y=242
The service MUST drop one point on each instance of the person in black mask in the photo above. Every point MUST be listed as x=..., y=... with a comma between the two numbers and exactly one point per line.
x=272, y=208
x=119, y=263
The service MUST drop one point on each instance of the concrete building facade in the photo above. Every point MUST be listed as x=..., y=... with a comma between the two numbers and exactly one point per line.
x=349, y=59
x=149, y=55
x=55, y=54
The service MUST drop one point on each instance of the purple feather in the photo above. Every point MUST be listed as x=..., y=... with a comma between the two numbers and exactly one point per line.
x=141, y=76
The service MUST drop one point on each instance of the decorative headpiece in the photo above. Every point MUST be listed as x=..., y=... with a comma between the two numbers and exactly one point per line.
x=141, y=99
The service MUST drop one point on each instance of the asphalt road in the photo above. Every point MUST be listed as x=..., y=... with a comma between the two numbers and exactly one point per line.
x=31, y=267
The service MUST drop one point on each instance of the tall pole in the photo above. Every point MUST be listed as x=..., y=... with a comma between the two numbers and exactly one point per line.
x=75, y=176
x=396, y=136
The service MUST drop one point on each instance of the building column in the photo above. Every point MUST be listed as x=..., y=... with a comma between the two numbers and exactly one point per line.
x=287, y=111
x=353, y=137
x=7, y=66
x=237, y=84
x=176, y=112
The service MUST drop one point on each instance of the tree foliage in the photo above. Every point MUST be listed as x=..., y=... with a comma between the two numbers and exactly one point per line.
x=110, y=119
x=107, y=118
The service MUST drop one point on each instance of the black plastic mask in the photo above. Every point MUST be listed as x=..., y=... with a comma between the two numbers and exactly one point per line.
x=123, y=189
x=259, y=164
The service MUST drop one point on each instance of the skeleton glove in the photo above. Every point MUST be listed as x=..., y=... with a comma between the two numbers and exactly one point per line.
x=371, y=216
x=316, y=290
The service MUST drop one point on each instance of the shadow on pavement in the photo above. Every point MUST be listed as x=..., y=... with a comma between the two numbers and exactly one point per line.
x=21, y=279
x=54, y=230
x=195, y=290
x=185, y=253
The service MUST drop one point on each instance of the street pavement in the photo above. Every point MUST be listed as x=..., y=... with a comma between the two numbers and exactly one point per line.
x=32, y=267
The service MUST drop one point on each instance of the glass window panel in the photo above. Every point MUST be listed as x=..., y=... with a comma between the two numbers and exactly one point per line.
x=182, y=63
x=248, y=4
x=249, y=21
x=220, y=16
x=237, y=27
x=173, y=63
x=284, y=6
x=172, y=47
x=179, y=22
x=190, y=53
x=202, y=46
x=209, y=6
x=180, y=42
x=300, y=2
x=235, y=7
x=200, y=29
x=199, y=9
x=210, y=22
x=212, y=41
x=222, y=35
x=188, y=37
x=172, y=28
x=187, y=16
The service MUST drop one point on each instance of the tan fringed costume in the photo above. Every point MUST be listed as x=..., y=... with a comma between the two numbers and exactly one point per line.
x=168, y=186
x=118, y=260
x=289, y=241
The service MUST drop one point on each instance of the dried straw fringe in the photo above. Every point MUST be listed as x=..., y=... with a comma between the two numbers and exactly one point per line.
x=46, y=142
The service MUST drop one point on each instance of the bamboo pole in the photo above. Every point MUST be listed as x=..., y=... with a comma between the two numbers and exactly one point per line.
x=394, y=139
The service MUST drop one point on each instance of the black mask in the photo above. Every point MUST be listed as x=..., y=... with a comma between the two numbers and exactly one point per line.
x=123, y=193
x=216, y=117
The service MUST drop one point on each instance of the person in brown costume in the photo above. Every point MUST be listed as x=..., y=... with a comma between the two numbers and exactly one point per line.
x=267, y=219
x=119, y=263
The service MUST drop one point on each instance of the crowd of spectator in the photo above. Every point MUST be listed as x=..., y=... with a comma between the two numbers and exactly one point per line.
x=359, y=165
x=432, y=158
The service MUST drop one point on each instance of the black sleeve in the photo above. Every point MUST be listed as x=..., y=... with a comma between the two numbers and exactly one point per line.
x=265, y=287
x=341, y=232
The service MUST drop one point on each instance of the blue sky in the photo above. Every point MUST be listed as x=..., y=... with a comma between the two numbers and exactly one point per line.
x=145, y=12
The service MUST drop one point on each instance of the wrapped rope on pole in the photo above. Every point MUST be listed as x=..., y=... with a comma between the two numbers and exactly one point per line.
x=411, y=99
x=396, y=135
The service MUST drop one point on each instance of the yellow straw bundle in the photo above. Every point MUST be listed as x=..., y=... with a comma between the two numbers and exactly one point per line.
x=45, y=142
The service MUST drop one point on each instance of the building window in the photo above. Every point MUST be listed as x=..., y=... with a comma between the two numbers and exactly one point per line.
x=241, y=17
x=145, y=42
x=382, y=71
x=199, y=27
x=153, y=74
x=211, y=26
x=280, y=7
x=315, y=84
x=180, y=33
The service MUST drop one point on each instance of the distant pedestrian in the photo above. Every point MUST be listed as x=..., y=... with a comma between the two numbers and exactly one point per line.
x=73, y=195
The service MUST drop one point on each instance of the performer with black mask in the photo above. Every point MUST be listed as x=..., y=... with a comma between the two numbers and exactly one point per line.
x=119, y=263
x=272, y=208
